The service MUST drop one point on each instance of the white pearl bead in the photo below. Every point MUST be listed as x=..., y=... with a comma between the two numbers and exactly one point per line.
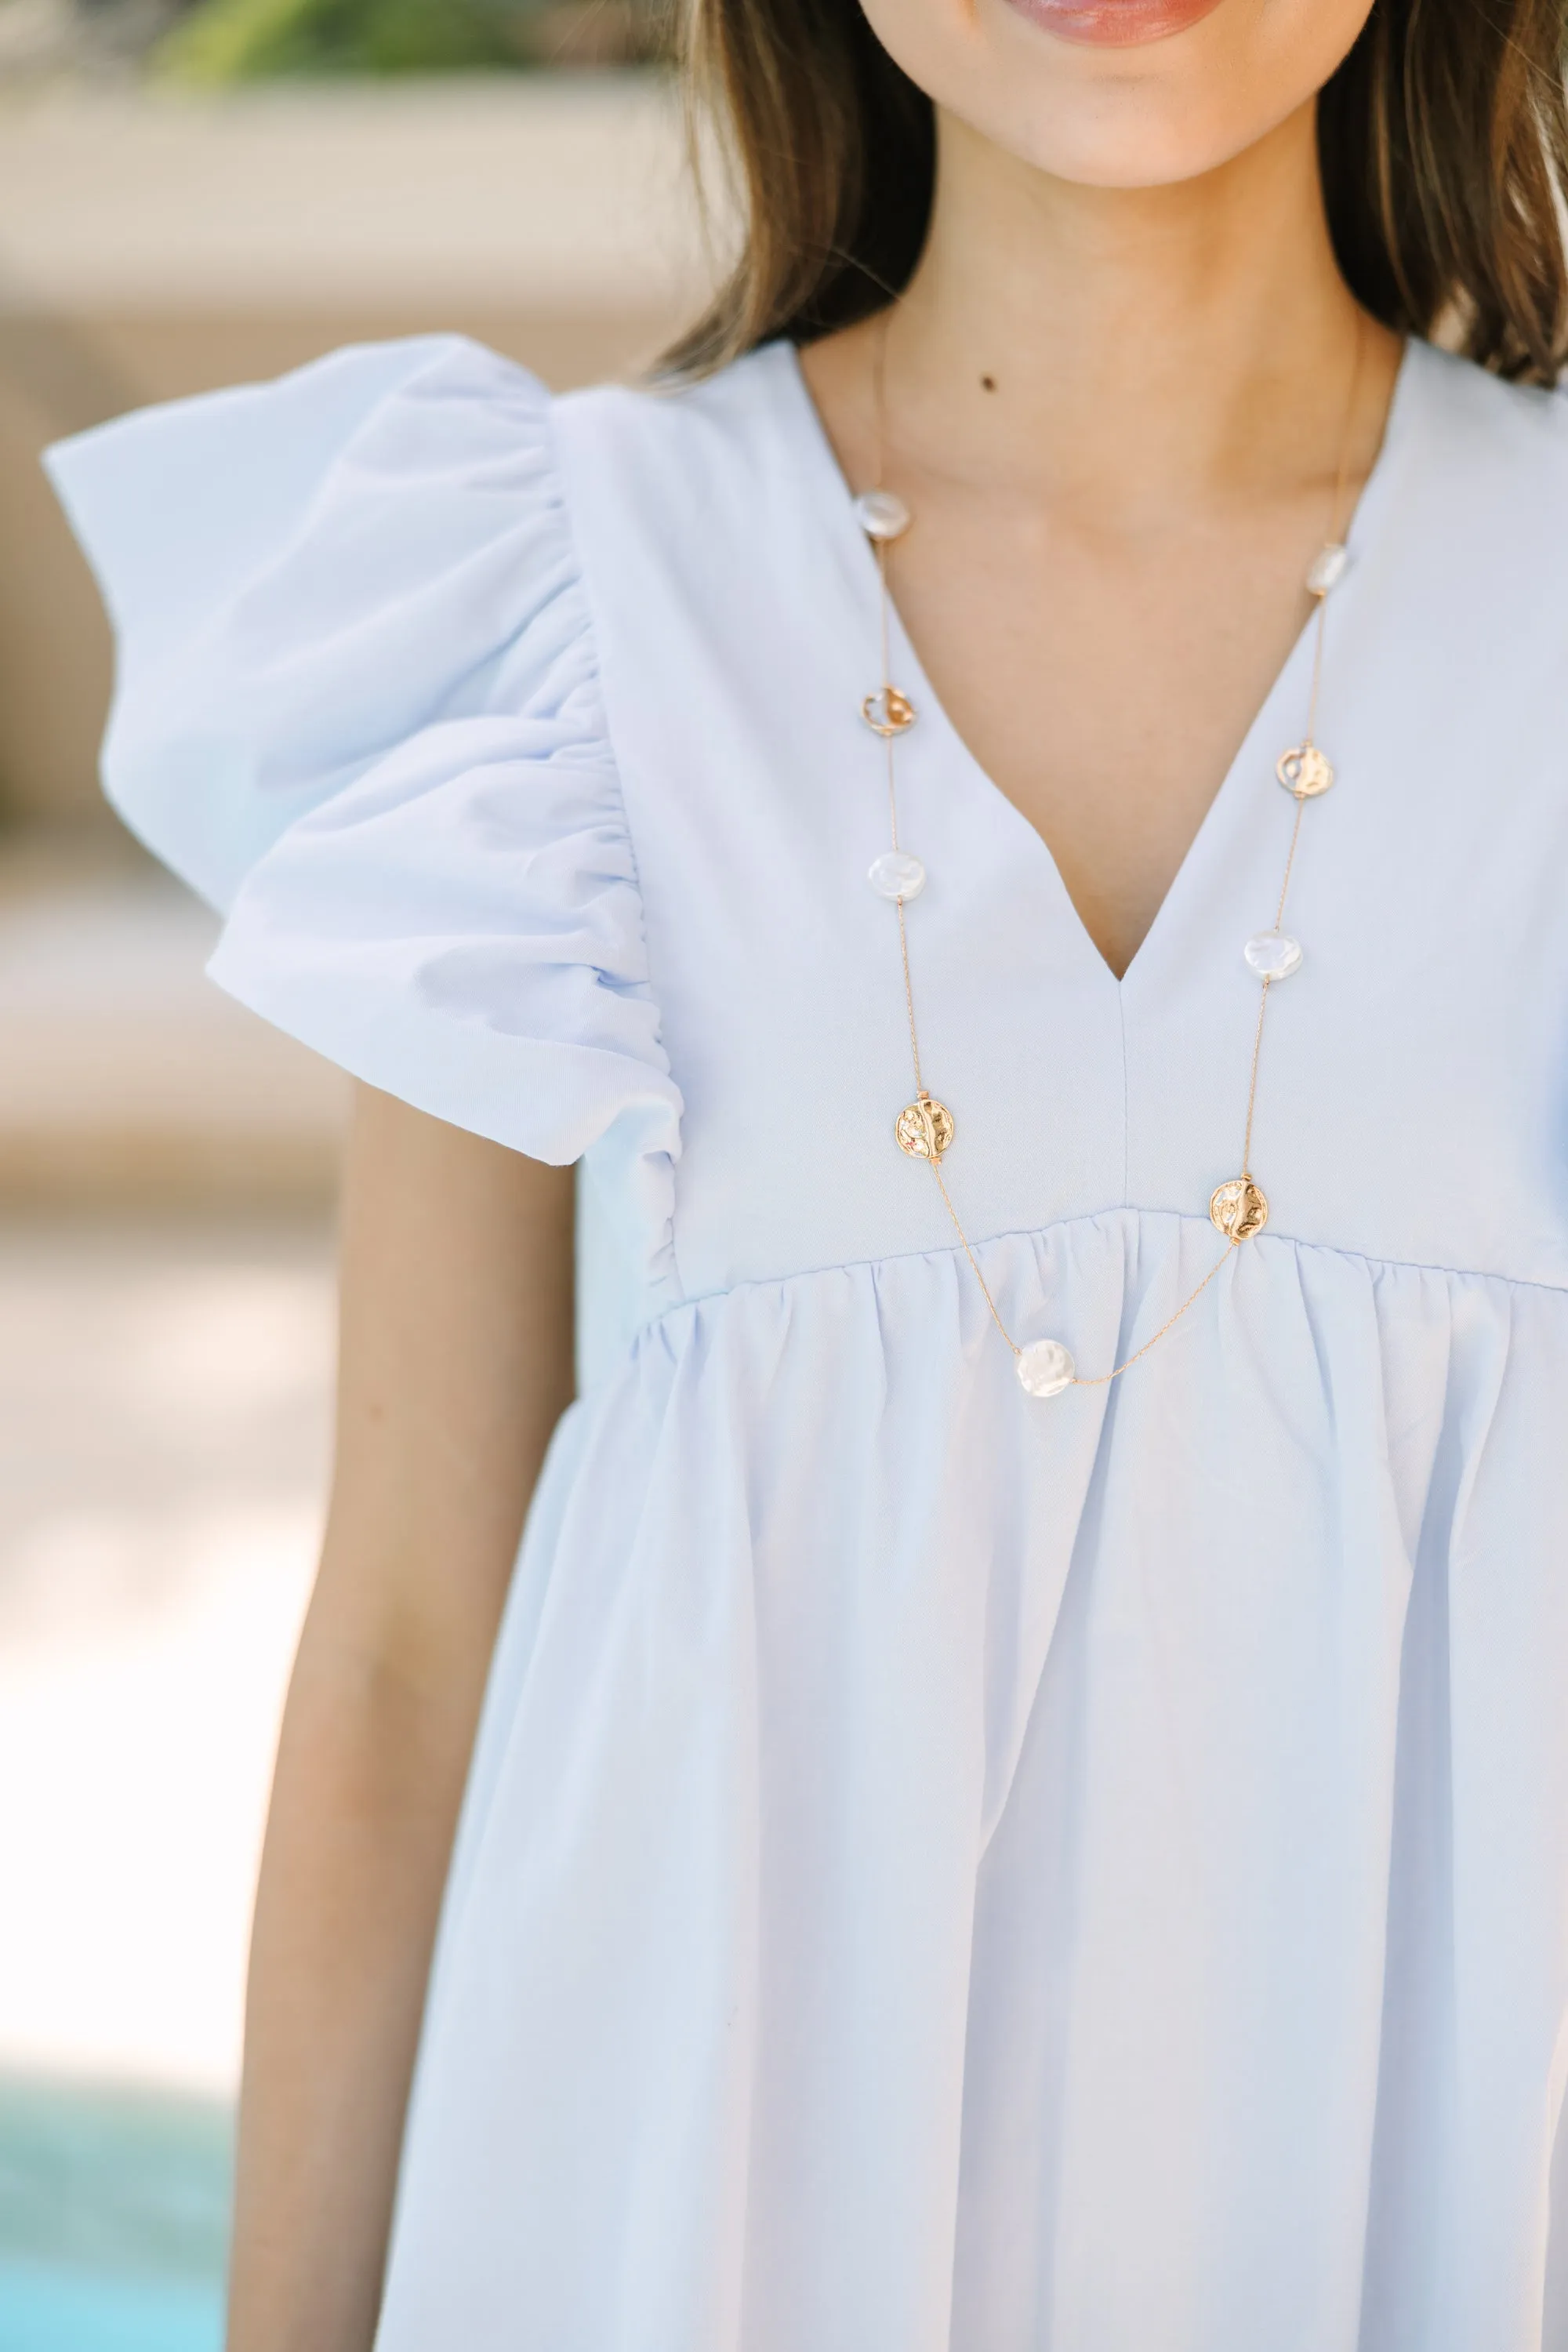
x=895, y=874
x=1273, y=955
x=1045, y=1368
x=1327, y=568
x=883, y=514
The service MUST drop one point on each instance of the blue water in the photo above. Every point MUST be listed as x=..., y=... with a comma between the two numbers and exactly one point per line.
x=43, y=2309
x=113, y=2218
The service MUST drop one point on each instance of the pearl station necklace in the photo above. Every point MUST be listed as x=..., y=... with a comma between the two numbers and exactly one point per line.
x=925, y=1127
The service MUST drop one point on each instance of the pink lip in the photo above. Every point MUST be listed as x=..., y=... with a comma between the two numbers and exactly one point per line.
x=1114, y=23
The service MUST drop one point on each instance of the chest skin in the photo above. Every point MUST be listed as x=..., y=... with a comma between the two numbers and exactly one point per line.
x=1101, y=658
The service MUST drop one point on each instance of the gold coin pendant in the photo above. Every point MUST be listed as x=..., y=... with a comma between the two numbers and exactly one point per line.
x=924, y=1129
x=1238, y=1208
x=1304, y=770
x=887, y=712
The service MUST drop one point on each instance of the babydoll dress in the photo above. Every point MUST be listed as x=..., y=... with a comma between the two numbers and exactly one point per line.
x=943, y=1871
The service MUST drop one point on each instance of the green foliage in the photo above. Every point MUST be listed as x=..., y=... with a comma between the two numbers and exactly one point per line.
x=242, y=40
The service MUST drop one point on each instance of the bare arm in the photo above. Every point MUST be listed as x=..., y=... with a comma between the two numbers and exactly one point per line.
x=456, y=1364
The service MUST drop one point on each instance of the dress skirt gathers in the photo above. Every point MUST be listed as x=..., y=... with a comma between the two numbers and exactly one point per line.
x=941, y=1872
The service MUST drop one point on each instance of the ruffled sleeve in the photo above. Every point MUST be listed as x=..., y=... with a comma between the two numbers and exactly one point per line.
x=357, y=708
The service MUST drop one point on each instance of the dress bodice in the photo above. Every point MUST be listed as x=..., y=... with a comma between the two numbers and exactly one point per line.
x=713, y=523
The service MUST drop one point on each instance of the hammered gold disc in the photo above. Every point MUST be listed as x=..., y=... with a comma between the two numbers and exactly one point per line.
x=1238, y=1209
x=887, y=712
x=1304, y=770
x=924, y=1129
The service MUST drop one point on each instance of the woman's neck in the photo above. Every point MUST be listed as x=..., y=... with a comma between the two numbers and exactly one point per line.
x=1128, y=352
x=1119, y=418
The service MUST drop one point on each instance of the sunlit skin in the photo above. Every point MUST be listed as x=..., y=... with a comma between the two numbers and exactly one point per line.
x=1116, y=409
x=1117, y=392
x=1144, y=112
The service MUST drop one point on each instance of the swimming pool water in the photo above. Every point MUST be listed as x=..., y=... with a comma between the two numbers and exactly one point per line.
x=113, y=2218
x=43, y=2309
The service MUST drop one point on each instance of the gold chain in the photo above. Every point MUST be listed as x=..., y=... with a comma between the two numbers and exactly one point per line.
x=925, y=1127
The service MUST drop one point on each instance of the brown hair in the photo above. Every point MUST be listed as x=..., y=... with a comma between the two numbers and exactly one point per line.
x=1443, y=138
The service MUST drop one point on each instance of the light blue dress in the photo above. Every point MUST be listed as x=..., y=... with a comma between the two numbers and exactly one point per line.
x=943, y=1872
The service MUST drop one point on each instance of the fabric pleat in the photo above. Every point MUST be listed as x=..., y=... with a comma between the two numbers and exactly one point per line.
x=1045, y=1882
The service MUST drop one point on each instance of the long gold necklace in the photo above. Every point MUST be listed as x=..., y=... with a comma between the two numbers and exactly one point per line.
x=925, y=1127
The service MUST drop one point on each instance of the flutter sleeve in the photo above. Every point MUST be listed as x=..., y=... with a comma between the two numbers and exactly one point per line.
x=357, y=708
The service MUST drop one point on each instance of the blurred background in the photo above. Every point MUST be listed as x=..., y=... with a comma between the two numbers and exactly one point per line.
x=192, y=195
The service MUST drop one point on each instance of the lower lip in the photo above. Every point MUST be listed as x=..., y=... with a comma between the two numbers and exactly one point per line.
x=1114, y=23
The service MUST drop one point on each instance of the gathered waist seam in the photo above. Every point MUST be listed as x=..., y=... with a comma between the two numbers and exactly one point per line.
x=1266, y=1241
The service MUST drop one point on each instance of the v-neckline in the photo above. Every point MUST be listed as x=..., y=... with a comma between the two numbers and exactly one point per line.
x=1270, y=716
